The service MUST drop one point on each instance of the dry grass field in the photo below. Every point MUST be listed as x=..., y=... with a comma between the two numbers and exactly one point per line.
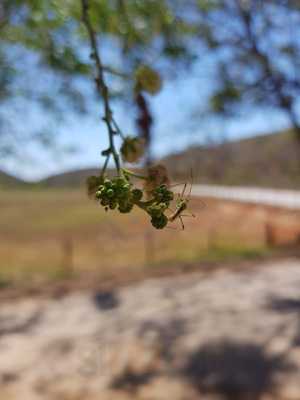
x=51, y=235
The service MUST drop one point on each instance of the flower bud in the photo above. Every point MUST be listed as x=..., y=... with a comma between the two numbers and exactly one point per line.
x=132, y=149
x=110, y=193
x=159, y=222
x=137, y=194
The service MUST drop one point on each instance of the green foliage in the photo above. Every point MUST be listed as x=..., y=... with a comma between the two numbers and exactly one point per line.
x=256, y=63
x=51, y=35
x=53, y=30
x=249, y=51
x=225, y=97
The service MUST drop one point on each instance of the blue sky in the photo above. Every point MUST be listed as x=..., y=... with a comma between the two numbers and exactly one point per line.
x=175, y=128
x=178, y=110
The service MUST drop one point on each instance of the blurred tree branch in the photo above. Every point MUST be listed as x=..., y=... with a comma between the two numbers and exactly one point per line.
x=278, y=80
x=101, y=85
x=257, y=49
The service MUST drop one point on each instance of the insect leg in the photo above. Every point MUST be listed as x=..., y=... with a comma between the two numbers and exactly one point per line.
x=181, y=221
x=188, y=215
x=171, y=227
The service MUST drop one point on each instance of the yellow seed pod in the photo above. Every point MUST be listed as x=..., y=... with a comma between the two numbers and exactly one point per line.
x=148, y=79
x=132, y=149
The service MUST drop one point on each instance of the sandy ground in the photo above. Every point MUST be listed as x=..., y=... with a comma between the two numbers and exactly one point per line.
x=232, y=335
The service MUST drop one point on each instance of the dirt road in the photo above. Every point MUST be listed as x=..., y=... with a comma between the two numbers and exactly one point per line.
x=289, y=199
x=232, y=335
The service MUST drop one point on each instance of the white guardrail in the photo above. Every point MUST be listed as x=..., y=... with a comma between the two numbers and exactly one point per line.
x=272, y=197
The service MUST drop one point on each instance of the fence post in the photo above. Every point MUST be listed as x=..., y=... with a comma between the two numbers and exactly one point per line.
x=270, y=239
x=67, y=256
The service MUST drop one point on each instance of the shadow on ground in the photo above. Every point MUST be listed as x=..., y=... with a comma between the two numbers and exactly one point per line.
x=229, y=369
x=234, y=370
x=9, y=326
x=287, y=305
x=162, y=338
x=106, y=300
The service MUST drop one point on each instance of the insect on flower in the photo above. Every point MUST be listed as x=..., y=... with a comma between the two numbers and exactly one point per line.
x=182, y=205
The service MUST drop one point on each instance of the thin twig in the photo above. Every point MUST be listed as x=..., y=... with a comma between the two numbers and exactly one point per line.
x=105, y=165
x=113, y=71
x=100, y=82
x=117, y=128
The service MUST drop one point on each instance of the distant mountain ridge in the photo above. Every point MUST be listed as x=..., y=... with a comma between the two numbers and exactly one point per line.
x=73, y=178
x=271, y=160
x=7, y=180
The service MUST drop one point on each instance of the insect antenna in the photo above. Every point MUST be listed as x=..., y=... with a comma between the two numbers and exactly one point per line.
x=176, y=184
x=203, y=205
x=183, y=190
x=192, y=181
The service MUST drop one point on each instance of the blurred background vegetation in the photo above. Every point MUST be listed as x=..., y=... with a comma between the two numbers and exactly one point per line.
x=250, y=54
x=253, y=51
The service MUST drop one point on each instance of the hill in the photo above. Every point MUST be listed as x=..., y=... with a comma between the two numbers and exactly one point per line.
x=7, y=180
x=271, y=160
x=74, y=178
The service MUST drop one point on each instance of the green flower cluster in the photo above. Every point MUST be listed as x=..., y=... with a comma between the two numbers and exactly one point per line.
x=158, y=219
x=162, y=194
x=162, y=197
x=118, y=193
